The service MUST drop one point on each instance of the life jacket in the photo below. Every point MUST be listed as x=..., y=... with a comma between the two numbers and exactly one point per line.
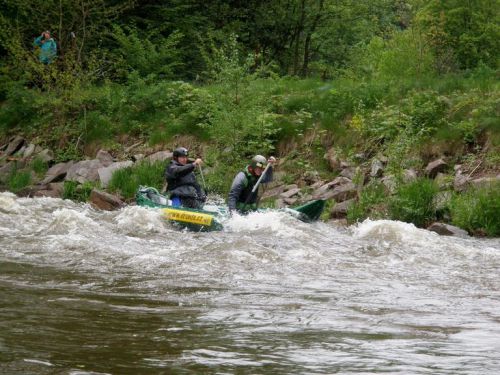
x=247, y=200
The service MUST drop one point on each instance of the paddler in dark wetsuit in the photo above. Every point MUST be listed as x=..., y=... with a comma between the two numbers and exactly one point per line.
x=182, y=184
x=241, y=198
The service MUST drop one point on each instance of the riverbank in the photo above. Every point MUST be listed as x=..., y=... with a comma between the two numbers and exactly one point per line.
x=413, y=150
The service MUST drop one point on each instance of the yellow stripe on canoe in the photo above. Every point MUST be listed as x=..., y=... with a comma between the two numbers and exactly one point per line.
x=188, y=217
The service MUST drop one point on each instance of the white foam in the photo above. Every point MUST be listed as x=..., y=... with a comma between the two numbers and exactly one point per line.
x=137, y=220
x=8, y=203
x=274, y=221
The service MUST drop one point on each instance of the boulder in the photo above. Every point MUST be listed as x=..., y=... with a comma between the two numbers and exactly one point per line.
x=106, y=173
x=290, y=201
x=290, y=193
x=86, y=170
x=29, y=150
x=48, y=193
x=447, y=230
x=339, y=210
x=275, y=192
x=137, y=157
x=14, y=145
x=104, y=201
x=377, y=168
x=434, y=167
x=342, y=192
x=330, y=186
x=57, y=172
x=461, y=181
x=349, y=173
x=444, y=181
x=159, y=156
x=104, y=157
x=390, y=183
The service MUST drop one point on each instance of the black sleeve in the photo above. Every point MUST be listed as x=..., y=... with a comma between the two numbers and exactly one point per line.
x=176, y=171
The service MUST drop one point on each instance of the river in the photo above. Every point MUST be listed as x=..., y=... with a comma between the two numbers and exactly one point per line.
x=93, y=292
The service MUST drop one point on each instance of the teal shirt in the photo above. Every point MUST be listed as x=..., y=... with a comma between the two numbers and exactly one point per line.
x=48, y=50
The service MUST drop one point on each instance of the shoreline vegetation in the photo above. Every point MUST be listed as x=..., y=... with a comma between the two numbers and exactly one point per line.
x=390, y=115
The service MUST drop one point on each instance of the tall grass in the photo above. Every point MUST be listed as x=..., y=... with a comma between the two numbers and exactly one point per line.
x=414, y=202
x=127, y=180
x=478, y=210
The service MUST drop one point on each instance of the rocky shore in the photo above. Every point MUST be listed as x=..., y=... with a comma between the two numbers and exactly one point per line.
x=342, y=191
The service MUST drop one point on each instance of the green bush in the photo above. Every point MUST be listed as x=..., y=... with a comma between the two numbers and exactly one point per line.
x=127, y=180
x=368, y=204
x=478, y=210
x=414, y=202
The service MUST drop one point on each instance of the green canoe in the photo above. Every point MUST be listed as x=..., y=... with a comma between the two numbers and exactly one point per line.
x=210, y=217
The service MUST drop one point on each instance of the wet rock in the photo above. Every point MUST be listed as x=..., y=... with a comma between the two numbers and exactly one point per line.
x=434, y=167
x=48, y=193
x=339, y=210
x=14, y=145
x=106, y=173
x=104, y=201
x=447, y=230
x=159, y=156
x=57, y=172
x=86, y=170
x=104, y=157
x=377, y=168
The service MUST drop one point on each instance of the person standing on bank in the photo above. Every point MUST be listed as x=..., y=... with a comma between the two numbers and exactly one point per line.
x=182, y=185
x=48, y=47
x=241, y=198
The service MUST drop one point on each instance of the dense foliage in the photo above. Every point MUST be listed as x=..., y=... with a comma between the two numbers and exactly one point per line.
x=402, y=78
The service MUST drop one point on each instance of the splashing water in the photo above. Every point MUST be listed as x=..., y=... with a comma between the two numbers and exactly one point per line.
x=92, y=292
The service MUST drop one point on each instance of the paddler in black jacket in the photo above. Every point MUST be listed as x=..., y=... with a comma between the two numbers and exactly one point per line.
x=182, y=184
x=241, y=198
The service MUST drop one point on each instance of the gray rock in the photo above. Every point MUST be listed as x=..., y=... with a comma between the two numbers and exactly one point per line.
x=434, y=167
x=342, y=192
x=106, y=173
x=104, y=157
x=48, y=193
x=86, y=170
x=104, y=201
x=6, y=169
x=275, y=192
x=377, y=168
x=485, y=182
x=390, y=183
x=444, y=181
x=441, y=199
x=138, y=157
x=349, y=173
x=409, y=175
x=29, y=150
x=290, y=187
x=14, y=145
x=159, y=156
x=330, y=186
x=57, y=172
x=46, y=155
x=289, y=193
x=447, y=230
x=290, y=201
x=317, y=185
x=460, y=182
x=339, y=210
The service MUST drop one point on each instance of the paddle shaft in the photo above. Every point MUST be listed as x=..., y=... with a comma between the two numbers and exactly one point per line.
x=256, y=186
